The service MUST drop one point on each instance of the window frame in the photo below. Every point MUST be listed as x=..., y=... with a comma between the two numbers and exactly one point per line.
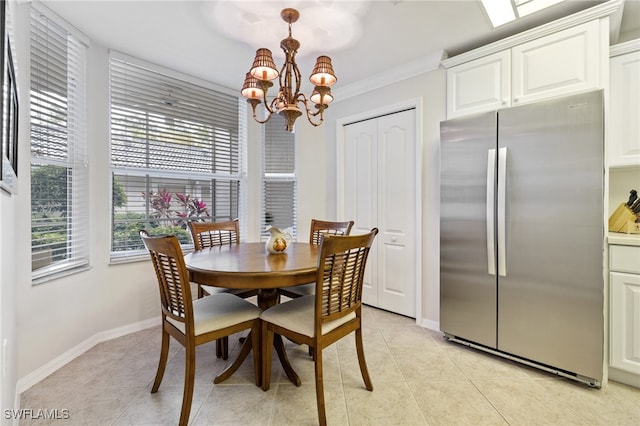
x=71, y=149
x=275, y=125
x=181, y=176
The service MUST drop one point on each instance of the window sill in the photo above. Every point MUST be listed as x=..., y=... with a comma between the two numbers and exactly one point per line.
x=137, y=256
x=117, y=259
x=51, y=276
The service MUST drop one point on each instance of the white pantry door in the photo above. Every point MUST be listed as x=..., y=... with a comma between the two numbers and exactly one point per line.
x=378, y=183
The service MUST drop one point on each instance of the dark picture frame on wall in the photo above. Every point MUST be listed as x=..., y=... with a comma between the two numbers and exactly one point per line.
x=8, y=110
x=11, y=112
x=3, y=35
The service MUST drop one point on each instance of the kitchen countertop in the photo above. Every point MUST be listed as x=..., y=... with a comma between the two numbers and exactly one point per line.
x=619, y=238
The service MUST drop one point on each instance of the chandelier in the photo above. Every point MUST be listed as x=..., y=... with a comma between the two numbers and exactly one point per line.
x=258, y=81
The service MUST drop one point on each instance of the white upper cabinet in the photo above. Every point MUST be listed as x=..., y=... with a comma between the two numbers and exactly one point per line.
x=541, y=63
x=480, y=85
x=558, y=64
x=624, y=101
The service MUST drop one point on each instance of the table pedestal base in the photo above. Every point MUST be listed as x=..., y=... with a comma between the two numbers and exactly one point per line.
x=266, y=299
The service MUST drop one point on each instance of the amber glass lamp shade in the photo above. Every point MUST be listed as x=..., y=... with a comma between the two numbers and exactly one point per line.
x=326, y=99
x=323, y=74
x=251, y=88
x=263, y=67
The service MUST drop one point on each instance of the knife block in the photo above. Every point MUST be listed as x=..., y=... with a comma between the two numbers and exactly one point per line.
x=624, y=220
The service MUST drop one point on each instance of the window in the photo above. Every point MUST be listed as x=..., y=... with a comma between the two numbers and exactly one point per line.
x=176, y=148
x=279, y=178
x=59, y=171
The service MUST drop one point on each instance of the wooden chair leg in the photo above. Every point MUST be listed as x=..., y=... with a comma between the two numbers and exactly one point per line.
x=225, y=348
x=189, y=377
x=219, y=347
x=267, y=355
x=322, y=416
x=256, y=346
x=363, y=364
x=162, y=363
x=222, y=348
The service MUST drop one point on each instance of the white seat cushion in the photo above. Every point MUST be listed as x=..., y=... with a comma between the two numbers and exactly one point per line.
x=302, y=290
x=217, y=290
x=218, y=311
x=298, y=314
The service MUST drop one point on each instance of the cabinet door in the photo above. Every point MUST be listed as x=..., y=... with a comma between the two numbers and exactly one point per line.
x=624, y=130
x=625, y=322
x=479, y=86
x=557, y=64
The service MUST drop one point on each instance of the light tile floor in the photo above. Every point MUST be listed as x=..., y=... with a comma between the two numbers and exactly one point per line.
x=418, y=377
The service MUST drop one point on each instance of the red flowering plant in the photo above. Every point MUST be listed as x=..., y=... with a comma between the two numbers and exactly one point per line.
x=193, y=210
x=160, y=203
x=187, y=209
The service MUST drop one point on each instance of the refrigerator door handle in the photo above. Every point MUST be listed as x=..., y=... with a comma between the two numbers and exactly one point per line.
x=491, y=235
x=502, y=190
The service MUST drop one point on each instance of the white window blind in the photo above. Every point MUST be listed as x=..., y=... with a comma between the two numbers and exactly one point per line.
x=175, y=154
x=279, y=179
x=59, y=170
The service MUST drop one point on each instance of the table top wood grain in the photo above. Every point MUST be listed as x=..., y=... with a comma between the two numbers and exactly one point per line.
x=249, y=265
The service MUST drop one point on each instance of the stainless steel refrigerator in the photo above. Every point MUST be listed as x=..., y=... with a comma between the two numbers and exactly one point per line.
x=522, y=234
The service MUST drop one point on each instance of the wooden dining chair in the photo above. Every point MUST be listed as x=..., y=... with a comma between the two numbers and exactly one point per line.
x=318, y=229
x=212, y=234
x=194, y=322
x=333, y=312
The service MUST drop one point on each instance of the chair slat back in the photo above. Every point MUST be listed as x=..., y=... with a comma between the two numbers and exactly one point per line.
x=322, y=227
x=341, y=265
x=172, y=275
x=211, y=234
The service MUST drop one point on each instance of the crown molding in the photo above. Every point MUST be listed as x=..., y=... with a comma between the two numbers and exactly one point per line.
x=394, y=75
x=596, y=12
x=626, y=47
x=615, y=23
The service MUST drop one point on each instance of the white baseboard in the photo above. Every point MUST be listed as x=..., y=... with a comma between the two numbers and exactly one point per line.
x=625, y=377
x=431, y=325
x=50, y=367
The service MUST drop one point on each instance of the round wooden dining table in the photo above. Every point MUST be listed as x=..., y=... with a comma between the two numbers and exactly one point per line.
x=249, y=265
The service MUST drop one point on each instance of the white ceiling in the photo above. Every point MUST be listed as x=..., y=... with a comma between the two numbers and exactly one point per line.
x=185, y=36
